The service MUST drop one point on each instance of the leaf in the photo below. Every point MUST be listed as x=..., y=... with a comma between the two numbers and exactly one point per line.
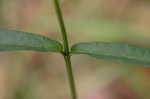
x=11, y=40
x=114, y=51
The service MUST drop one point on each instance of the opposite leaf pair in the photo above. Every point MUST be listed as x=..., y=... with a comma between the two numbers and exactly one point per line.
x=11, y=40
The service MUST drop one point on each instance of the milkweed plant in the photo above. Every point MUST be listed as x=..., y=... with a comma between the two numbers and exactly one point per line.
x=11, y=40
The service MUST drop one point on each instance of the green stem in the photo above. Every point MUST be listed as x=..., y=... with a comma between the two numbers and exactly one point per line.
x=62, y=26
x=66, y=52
x=70, y=77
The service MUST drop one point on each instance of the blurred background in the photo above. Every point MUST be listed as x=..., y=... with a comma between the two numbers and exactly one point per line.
x=34, y=75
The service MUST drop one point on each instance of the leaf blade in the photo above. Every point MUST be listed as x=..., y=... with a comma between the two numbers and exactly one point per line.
x=114, y=51
x=11, y=40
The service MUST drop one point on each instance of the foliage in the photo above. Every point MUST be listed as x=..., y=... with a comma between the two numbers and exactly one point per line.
x=11, y=40
x=114, y=51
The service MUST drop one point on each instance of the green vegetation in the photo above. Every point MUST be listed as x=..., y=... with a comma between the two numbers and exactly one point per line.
x=11, y=40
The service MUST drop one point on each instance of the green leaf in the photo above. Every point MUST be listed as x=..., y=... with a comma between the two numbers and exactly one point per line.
x=11, y=40
x=114, y=51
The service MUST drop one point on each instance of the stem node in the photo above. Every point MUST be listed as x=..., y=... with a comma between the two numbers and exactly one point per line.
x=66, y=52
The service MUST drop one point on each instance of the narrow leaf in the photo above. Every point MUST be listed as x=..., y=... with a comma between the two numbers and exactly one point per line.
x=11, y=40
x=114, y=51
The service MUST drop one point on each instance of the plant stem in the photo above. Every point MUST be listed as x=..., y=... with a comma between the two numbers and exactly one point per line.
x=66, y=52
x=70, y=77
x=62, y=26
